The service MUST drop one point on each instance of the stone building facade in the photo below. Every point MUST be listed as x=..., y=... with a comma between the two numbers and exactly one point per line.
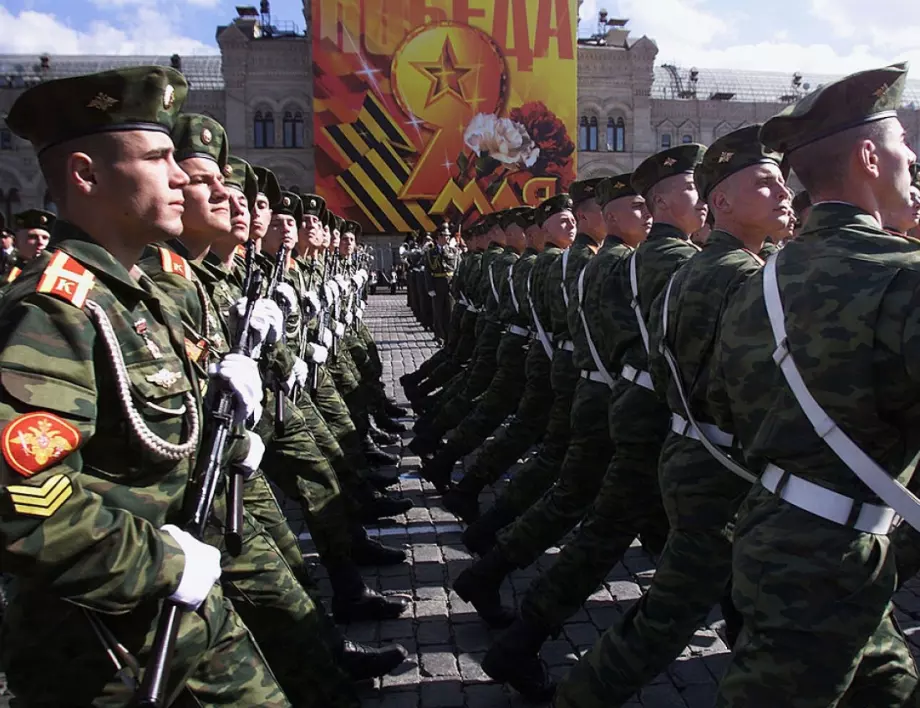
x=260, y=89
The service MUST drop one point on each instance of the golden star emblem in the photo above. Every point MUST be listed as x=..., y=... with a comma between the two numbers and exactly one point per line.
x=668, y=162
x=619, y=185
x=880, y=91
x=102, y=101
x=445, y=76
x=726, y=156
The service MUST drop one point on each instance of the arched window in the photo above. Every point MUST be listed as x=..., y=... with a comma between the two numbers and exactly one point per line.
x=592, y=134
x=665, y=141
x=583, y=133
x=293, y=129
x=686, y=138
x=263, y=133
x=616, y=135
x=6, y=139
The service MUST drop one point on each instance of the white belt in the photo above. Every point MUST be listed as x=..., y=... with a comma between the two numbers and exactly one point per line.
x=472, y=308
x=566, y=344
x=592, y=376
x=681, y=426
x=829, y=504
x=519, y=331
x=640, y=378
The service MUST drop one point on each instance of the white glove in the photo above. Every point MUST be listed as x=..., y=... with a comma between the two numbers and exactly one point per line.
x=349, y=318
x=301, y=371
x=339, y=329
x=360, y=313
x=326, y=337
x=331, y=291
x=342, y=283
x=201, y=570
x=265, y=325
x=431, y=293
x=320, y=354
x=313, y=299
x=250, y=465
x=356, y=281
x=286, y=291
x=242, y=374
x=362, y=274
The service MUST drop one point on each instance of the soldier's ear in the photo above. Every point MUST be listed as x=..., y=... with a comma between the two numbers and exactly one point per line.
x=81, y=172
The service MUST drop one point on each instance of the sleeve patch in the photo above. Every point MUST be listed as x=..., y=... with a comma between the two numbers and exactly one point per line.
x=67, y=279
x=174, y=263
x=15, y=272
x=35, y=441
x=40, y=501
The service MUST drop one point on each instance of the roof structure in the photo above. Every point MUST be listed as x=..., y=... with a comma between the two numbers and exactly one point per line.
x=18, y=70
x=674, y=82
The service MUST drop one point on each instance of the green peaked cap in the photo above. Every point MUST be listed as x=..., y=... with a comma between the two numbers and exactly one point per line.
x=667, y=163
x=610, y=188
x=289, y=204
x=239, y=174
x=34, y=219
x=553, y=205
x=729, y=154
x=268, y=184
x=197, y=135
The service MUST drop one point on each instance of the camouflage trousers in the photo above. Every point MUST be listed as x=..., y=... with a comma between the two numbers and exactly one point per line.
x=293, y=461
x=533, y=479
x=628, y=503
x=523, y=428
x=497, y=402
x=343, y=372
x=336, y=416
x=283, y=618
x=260, y=502
x=700, y=498
x=818, y=624
x=466, y=343
x=478, y=376
x=564, y=504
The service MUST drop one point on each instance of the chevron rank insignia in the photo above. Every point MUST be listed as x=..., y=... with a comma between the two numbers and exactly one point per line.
x=174, y=263
x=35, y=441
x=40, y=501
x=67, y=279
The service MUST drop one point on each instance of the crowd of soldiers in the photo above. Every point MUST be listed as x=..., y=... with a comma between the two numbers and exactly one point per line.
x=696, y=358
x=186, y=331
x=430, y=264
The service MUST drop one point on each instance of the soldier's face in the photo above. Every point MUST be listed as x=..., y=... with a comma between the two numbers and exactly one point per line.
x=313, y=231
x=31, y=242
x=679, y=196
x=907, y=217
x=515, y=236
x=535, y=237
x=334, y=239
x=753, y=201
x=347, y=244
x=560, y=228
x=142, y=185
x=281, y=232
x=207, y=200
x=261, y=217
x=591, y=219
x=6, y=242
x=629, y=218
x=240, y=216
x=891, y=171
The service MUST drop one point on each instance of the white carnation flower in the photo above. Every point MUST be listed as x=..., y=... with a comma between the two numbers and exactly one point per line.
x=502, y=139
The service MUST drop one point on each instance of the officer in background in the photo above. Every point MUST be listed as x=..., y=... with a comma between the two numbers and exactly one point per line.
x=442, y=260
x=33, y=231
x=7, y=249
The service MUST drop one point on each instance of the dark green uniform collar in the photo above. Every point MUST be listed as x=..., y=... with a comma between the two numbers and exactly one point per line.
x=834, y=215
x=718, y=237
x=661, y=230
x=583, y=239
x=612, y=241
x=529, y=250
x=512, y=249
x=81, y=247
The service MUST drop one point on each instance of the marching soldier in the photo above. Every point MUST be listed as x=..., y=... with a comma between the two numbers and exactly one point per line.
x=442, y=262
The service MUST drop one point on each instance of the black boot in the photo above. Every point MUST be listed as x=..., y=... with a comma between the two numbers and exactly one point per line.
x=387, y=423
x=362, y=662
x=380, y=505
x=410, y=380
x=515, y=659
x=437, y=470
x=393, y=410
x=375, y=455
x=381, y=482
x=480, y=584
x=480, y=536
x=353, y=601
x=463, y=498
x=423, y=446
x=366, y=551
x=382, y=437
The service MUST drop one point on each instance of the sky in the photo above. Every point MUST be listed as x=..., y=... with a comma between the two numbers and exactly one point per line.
x=811, y=36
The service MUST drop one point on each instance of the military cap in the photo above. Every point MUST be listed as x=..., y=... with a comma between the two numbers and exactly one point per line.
x=667, y=163
x=491, y=220
x=610, y=188
x=130, y=98
x=289, y=205
x=522, y=216
x=336, y=222
x=730, y=154
x=34, y=219
x=268, y=184
x=801, y=201
x=313, y=205
x=553, y=205
x=584, y=190
x=196, y=135
x=352, y=227
x=239, y=174
x=854, y=100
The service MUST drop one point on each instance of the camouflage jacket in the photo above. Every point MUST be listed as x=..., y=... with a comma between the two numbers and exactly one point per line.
x=851, y=297
x=498, y=274
x=575, y=257
x=516, y=279
x=596, y=271
x=484, y=299
x=471, y=278
x=700, y=292
x=82, y=497
x=539, y=284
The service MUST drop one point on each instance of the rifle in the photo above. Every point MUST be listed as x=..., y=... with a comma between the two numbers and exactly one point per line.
x=152, y=690
x=250, y=263
x=322, y=323
x=280, y=261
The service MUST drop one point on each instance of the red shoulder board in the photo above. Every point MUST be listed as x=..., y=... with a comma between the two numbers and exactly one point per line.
x=174, y=263
x=67, y=279
x=15, y=272
x=240, y=250
x=35, y=441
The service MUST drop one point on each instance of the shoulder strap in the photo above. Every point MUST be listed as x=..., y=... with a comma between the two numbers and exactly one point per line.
x=541, y=333
x=492, y=284
x=889, y=490
x=565, y=264
x=608, y=379
x=634, y=286
x=66, y=279
x=514, y=300
x=725, y=460
x=172, y=262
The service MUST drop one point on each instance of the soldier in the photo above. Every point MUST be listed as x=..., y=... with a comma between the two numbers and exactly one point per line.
x=32, y=234
x=91, y=505
x=514, y=658
x=442, y=262
x=7, y=249
x=813, y=570
x=701, y=485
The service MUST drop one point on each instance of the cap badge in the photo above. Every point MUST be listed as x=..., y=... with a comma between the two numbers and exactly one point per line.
x=228, y=171
x=286, y=201
x=206, y=136
x=880, y=91
x=42, y=219
x=726, y=156
x=169, y=96
x=669, y=161
x=619, y=185
x=312, y=203
x=102, y=101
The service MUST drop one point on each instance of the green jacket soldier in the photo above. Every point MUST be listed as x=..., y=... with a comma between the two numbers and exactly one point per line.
x=744, y=187
x=442, y=262
x=815, y=372
x=108, y=443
